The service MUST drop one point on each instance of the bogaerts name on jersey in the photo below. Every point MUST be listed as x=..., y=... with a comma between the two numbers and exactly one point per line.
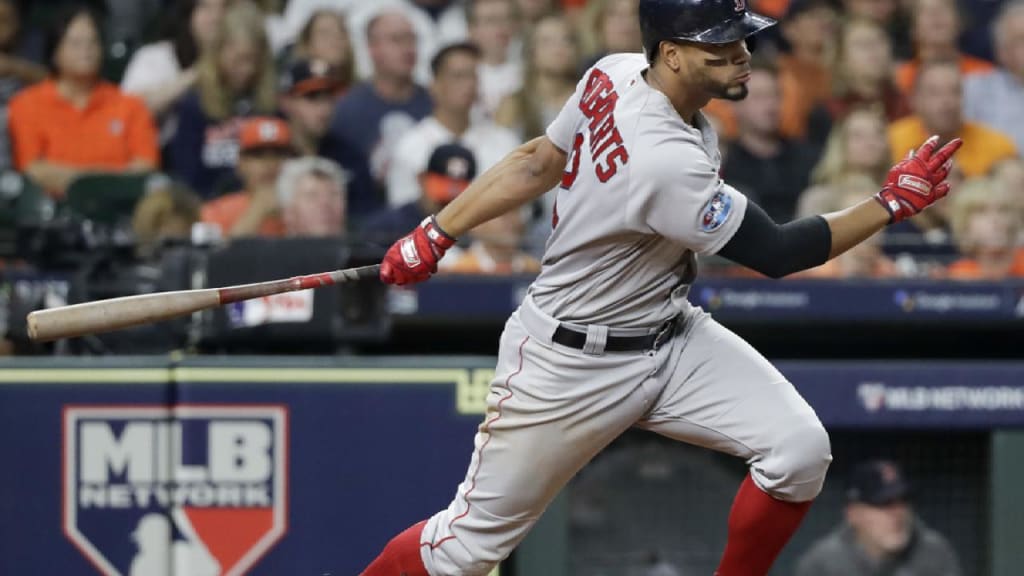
x=607, y=151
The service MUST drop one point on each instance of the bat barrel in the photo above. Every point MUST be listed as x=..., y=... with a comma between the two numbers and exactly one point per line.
x=128, y=311
x=116, y=313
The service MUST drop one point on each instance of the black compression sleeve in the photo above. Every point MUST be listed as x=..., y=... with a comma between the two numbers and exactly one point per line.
x=777, y=250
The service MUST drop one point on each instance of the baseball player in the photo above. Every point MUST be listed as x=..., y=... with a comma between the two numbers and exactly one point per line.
x=605, y=339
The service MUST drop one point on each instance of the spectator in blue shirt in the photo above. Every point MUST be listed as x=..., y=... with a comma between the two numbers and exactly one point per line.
x=373, y=115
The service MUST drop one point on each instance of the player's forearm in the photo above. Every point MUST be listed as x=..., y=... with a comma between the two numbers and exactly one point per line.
x=855, y=224
x=780, y=250
x=910, y=187
x=523, y=175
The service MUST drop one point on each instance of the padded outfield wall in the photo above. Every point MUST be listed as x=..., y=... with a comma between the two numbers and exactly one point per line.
x=277, y=465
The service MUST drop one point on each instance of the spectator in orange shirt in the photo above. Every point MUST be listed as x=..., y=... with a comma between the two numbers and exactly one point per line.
x=76, y=122
x=937, y=110
x=264, y=145
x=986, y=226
x=936, y=29
x=497, y=248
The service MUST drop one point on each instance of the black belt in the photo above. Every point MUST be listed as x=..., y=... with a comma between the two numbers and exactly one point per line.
x=575, y=339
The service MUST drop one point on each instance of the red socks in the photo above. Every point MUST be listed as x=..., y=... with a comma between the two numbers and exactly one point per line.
x=401, y=557
x=759, y=527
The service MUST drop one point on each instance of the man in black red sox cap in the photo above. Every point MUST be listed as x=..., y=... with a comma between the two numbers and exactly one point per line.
x=881, y=534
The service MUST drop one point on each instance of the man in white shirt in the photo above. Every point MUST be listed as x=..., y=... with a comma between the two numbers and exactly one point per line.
x=454, y=92
x=436, y=23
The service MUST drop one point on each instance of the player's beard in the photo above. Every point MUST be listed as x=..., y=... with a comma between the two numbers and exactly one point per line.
x=724, y=90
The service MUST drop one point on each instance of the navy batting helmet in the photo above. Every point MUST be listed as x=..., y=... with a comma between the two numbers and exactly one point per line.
x=705, y=21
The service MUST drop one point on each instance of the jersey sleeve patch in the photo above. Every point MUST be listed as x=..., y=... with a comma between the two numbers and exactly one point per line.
x=715, y=212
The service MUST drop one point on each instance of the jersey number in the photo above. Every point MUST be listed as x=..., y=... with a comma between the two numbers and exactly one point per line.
x=569, y=176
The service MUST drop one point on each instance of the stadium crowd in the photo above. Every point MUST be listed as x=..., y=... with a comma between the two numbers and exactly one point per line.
x=330, y=117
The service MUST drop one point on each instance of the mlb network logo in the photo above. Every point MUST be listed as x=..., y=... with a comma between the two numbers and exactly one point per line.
x=186, y=490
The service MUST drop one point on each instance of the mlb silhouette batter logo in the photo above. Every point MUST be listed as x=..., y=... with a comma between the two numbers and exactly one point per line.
x=187, y=490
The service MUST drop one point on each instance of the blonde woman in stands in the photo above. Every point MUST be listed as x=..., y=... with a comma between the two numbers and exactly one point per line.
x=549, y=79
x=857, y=145
x=161, y=73
x=236, y=79
x=986, y=223
x=862, y=76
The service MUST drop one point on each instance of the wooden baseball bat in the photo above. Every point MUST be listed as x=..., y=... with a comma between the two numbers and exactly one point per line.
x=127, y=311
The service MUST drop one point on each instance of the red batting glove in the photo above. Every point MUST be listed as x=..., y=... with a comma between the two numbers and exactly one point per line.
x=917, y=182
x=414, y=258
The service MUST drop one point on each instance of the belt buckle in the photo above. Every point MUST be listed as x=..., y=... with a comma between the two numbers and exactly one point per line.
x=664, y=333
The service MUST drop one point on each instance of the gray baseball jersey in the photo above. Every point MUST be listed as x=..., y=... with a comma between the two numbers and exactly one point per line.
x=640, y=195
